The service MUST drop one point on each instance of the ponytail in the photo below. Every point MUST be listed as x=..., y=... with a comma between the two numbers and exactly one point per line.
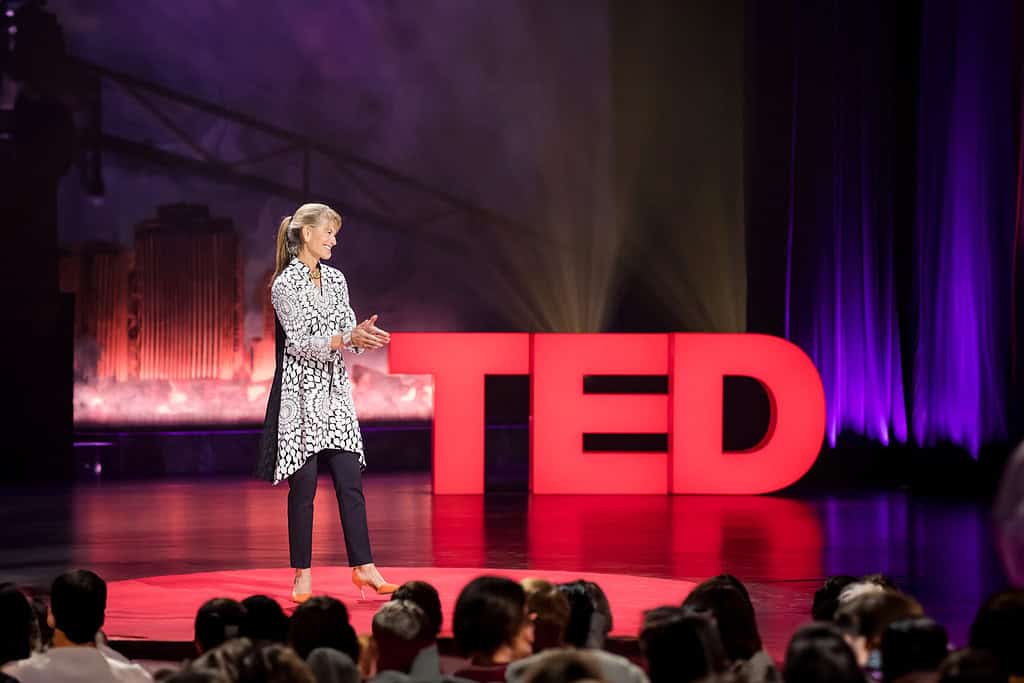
x=283, y=255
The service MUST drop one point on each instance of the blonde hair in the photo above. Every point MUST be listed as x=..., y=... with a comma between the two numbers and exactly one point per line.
x=289, y=234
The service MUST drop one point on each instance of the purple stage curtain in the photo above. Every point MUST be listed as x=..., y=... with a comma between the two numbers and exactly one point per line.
x=847, y=277
x=840, y=286
x=966, y=186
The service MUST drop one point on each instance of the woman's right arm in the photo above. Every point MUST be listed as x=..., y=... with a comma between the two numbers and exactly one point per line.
x=288, y=307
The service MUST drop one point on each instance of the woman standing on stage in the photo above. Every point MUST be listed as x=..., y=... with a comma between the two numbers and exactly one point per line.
x=310, y=415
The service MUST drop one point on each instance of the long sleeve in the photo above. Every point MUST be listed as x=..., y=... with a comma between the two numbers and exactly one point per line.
x=298, y=342
x=349, y=319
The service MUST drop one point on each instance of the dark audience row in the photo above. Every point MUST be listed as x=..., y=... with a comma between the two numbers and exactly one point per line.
x=863, y=629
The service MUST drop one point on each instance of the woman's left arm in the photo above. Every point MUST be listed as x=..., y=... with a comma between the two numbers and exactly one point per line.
x=348, y=318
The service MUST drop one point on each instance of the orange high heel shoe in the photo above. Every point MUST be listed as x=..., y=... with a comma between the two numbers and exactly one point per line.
x=300, y=598
x=362, y=584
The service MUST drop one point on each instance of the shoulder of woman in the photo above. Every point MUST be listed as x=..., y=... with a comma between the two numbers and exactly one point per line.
x=290, y=274
x=332, y=272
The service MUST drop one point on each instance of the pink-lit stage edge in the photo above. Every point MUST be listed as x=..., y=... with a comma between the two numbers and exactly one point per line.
x=163, y=608
x=148, y=538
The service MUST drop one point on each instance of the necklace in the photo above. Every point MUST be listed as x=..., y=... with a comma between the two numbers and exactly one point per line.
x=314, y=274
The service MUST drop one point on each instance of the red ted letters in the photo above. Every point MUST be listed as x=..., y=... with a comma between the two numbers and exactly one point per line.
x=561, y=413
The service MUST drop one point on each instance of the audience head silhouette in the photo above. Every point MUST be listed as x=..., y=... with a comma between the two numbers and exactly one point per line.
x=490, y=622
x=551, y=610
x=78, y=603
x=999, y=628
x=17, y=623
x=217, y=621
x=912, y=645
x=733, y=613
x=400, y=631
x=681, y=645
x=819, y=652
x=322, y=621
x=426, y=598
x=264, y=621
x=581, y=612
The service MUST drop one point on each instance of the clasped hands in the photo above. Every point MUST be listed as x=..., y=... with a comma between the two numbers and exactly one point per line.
x=366, y=335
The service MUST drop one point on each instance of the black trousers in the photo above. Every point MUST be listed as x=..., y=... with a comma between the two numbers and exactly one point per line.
x=348, y=486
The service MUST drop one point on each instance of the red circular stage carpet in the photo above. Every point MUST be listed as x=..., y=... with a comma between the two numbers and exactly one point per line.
x=164, y=607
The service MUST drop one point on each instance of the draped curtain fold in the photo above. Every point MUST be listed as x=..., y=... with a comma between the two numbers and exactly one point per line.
x=841, y=290
x=941, y=369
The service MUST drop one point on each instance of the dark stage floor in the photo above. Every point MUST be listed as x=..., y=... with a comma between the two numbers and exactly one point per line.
x=939, y=550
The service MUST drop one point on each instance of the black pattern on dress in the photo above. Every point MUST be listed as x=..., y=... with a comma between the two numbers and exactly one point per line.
x=310, y=407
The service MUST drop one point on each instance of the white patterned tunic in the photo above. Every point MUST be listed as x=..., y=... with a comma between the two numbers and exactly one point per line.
x=316, y=410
